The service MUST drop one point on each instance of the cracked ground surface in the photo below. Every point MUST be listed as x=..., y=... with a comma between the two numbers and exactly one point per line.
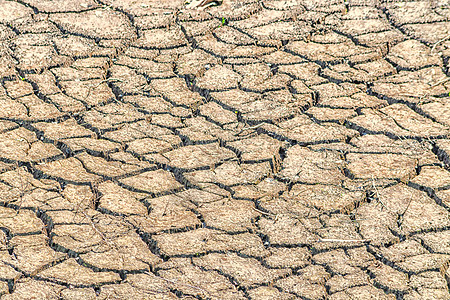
x=255, y=150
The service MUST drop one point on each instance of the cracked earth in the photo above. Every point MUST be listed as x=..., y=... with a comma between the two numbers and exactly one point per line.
x=260, y=149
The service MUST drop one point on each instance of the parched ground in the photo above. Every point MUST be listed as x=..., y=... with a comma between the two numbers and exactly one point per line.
x=260, y=149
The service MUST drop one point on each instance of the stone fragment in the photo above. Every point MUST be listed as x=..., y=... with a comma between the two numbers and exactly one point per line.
x=103, y=167
x=20, y=222
x=231, y=173
x=326, y=197
x=67, y=129
x=229, y=215
x=377, y=225
x=33, y=254
x=95, y=23
x=439, y=110
x=368, y=292
x=22, y=145
x=288, y=257
x=401, y=251
x=129, y=253
x=424, y=262
x=30, y=288
x=286, y=231
x=161, y=38
x=218, y=78
x=200, y=282
x=261, y=147
x=71, y=272
x=78, y=293
x=154, y=182
x=301, y=287
x=246, y=271
x=412, y=54
x=166, y=213
x=119, y=200
x=437, y=241
x=376, y=166
x=428, y=280
x=204, y=240
x=70, y=169
x=175, y=90
x=197, y=156
x=339, y=283
x=432, y=177
x=306, y=166
x=389, y=277
x=217, y=113
x=304, y=131
x=267, y=293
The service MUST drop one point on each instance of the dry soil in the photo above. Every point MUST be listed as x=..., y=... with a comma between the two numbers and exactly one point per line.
x=261, y=149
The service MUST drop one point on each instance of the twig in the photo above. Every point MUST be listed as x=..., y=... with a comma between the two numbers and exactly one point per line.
x=107, y=80
x=400, y=216
x=101, y=234
x=378, y=194
x=264, y=213
x=440, y=41
x=249, y=128
x=320, y=240
x=411, y=95
x=23, y=187
x=440, y=82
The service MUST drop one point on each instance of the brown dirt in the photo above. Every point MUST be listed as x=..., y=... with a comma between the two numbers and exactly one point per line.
x=261, y=149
